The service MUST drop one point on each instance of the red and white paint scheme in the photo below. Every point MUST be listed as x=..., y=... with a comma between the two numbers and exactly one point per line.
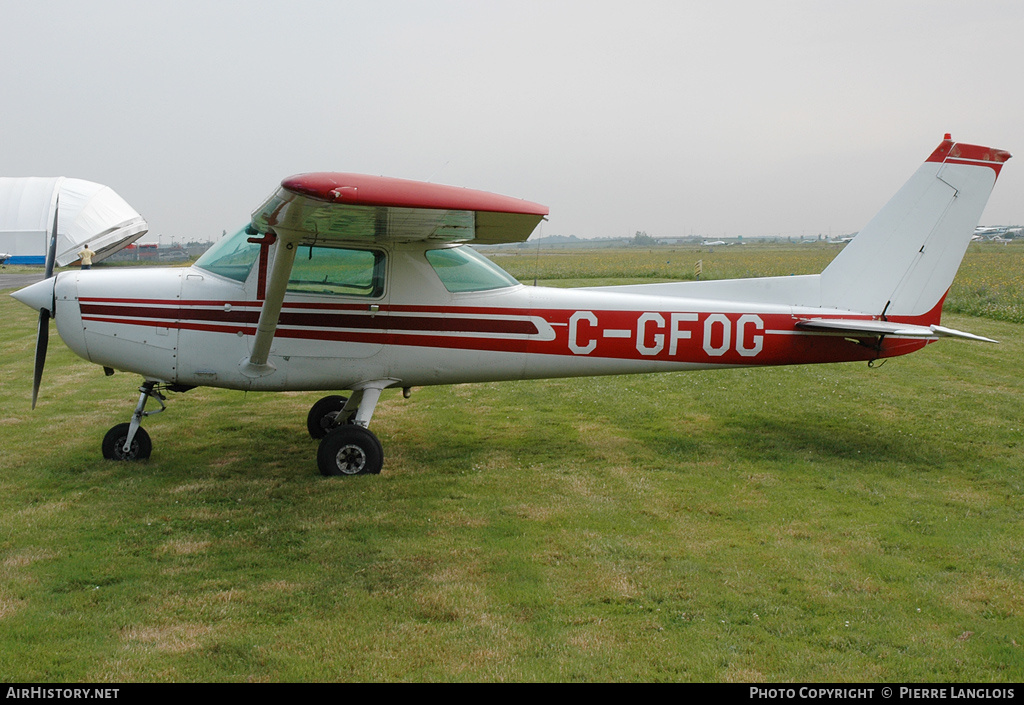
x=361, y=283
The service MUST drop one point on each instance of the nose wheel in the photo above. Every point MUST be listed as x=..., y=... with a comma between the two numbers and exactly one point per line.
x=129, y=441
x=117, y=447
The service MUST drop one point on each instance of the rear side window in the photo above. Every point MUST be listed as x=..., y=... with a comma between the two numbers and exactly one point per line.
x=463, y=269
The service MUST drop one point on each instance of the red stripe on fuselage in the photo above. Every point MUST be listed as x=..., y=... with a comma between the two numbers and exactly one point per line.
x=715, y=338
x=324, y=320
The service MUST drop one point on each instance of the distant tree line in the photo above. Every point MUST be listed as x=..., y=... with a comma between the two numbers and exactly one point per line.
x=642, y=239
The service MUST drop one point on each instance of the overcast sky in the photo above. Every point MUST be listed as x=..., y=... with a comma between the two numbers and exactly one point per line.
x=712, y=118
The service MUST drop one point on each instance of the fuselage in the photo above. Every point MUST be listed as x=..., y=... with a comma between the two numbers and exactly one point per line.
x=424, y=315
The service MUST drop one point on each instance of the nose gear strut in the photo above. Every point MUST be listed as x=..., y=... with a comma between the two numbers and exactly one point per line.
x=129, y=441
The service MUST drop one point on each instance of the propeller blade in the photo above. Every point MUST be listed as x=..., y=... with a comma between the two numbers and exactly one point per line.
x=51, y=252
x=43, y=329
x=42, y=339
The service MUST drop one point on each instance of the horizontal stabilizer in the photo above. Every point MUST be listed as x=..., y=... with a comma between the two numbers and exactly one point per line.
x=944, y=332
x=872, y=328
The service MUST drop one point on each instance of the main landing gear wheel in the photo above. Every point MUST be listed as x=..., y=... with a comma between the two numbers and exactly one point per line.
x=113, y=444
x=324, y=416
x=350, y=450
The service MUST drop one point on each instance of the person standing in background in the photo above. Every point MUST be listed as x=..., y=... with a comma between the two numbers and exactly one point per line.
x=86, y=255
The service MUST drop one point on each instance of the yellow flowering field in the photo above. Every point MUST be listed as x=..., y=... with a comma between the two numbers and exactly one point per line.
x=990, y=283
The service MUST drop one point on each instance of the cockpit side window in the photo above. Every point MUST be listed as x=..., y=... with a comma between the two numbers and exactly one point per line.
x=462, y=269
x=337, y=271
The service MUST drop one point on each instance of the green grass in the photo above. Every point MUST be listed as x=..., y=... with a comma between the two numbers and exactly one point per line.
x=828, y=523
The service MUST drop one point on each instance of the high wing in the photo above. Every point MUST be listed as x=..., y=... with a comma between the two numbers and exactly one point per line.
x=329, y=206
x=334, y=206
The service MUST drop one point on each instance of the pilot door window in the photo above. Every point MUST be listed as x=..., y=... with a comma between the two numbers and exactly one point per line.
x=337, y=271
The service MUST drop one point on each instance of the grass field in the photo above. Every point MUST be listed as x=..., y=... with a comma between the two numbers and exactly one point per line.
x=828, y=523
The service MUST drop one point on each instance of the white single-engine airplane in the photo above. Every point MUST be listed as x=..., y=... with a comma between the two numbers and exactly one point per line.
x=362, y=283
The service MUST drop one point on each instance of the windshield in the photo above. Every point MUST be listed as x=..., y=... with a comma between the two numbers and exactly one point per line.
x=463, y=269
x=232, y=257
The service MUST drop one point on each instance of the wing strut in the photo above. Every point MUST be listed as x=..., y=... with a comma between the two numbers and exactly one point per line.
x=256, y=365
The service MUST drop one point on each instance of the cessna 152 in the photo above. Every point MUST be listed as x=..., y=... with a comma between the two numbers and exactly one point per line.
x=364, y=283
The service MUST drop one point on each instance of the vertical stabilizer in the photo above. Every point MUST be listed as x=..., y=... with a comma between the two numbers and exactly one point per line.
x=903, y=262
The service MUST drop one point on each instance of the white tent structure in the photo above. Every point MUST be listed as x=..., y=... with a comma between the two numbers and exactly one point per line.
x=87, y=213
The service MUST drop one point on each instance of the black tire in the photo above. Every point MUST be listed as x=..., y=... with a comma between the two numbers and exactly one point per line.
x=323, y=416
x=350, y=450
x=113, y=444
